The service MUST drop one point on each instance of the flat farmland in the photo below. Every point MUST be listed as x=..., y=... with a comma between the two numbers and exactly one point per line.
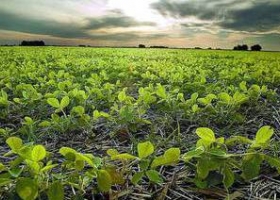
x=109, y=123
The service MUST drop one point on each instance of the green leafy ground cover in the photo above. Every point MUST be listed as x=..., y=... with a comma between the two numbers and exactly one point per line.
x=86, y=123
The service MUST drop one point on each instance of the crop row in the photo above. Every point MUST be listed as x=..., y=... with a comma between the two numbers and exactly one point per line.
x=32, y=172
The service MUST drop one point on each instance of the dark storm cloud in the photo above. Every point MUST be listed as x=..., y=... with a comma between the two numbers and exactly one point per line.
x=263, y=16
x=202, y=9
x=252, y=16
x=12, y=22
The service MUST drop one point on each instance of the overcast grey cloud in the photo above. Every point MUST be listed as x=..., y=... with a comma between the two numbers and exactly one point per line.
x=175, y=23
x=260, y=17
x=17, y=23
x=253, y=15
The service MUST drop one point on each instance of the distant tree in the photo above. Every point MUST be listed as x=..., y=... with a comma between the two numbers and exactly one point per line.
x=33, y=43
x=256, y=47
x=243, y=47
x=82, y=45
x=141, y=46
x=197, y=48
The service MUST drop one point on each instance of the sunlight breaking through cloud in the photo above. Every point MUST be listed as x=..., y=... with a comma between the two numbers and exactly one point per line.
x=180, y=23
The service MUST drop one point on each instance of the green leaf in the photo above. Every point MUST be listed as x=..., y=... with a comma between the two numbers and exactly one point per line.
x=228, y=177
x=68, y=153
x=14, y=143
x=123, y=156
x=33, y=165
x=112, y=152
x=45, y=124
x=220, y=140
x=117, y=176
x=80, y=110
x=97, y=161
x=96, y=114
x=28, y=121
x=203, y=143
x=48, y=167
x=145, y=149
x=206, y=164
x=238, y=140
x=17, y=100
x=64, y=102
x=218, y=152
x=16, y=172
x=122, y=96
x=4, y=94
x=154, y=176
x=239, y=97
x=273, y=162
x=88, y=158
x=206, y=134
x=2, y=167
x=193, y=154
x=26, y=152
x=53, y=102
x=127, y=113
x=104, y=114
x=65, y=150
x=79, y=165
x=170, y=156
x=104, y=180
x=27, y=189
x=195, y=108
x=200, y=183
x=225, y=97
x=243, y=86
x=160, y=91
x=194, y=96
x=204, y=101
x=251, y=166
x=56, y=191
x=202, y=169
x=263, y=136
x=38, y=153
x=180, y=96
x=137, y=177
x=144, y=164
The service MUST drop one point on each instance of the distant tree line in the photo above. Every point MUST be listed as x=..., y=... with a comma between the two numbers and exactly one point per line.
x=33, y=43
x=256, y=47
x=155, y=46
x=245, y=47
x=8, y=45
x=160, y=47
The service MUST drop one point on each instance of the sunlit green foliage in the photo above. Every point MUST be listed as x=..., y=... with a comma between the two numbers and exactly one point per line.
x=47, y=92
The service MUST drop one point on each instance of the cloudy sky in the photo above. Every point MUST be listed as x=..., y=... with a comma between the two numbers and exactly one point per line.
x=174, y=23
